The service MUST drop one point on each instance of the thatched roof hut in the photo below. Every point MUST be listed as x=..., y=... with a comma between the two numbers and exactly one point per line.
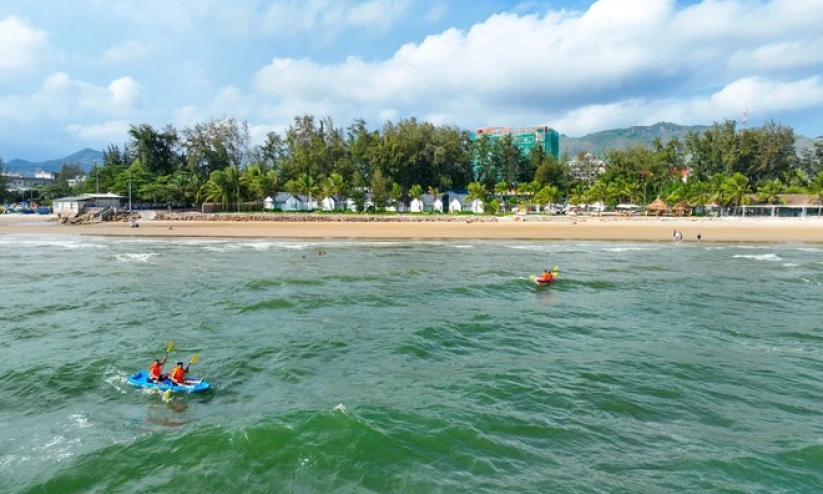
x=658, y=206
x=682, y=209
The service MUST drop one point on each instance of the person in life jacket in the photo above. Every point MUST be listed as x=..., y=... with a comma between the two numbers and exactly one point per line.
x=546, y=275
x=156, y=370
x=178, y=374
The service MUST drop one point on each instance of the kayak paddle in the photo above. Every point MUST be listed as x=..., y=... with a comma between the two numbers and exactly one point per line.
x=192, y=361
x=169, y=349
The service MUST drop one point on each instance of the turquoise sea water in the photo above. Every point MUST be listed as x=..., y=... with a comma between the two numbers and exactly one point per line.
x=412, y=367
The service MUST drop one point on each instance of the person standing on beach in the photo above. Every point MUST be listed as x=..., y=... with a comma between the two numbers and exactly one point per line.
x=699, y=237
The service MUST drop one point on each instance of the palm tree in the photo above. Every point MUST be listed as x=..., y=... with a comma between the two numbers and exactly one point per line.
x=218, y=189
x=736, y=190
x=598, y=192
x=435, y=193
x=253, y=179
x=476, y=191
x=293, y=187
x=547, y=195
x=416, y=192
x=768, y=193
x=307, y=187
x=232, y=177
x=698, y=193
x=579, y=196
x=336, y=184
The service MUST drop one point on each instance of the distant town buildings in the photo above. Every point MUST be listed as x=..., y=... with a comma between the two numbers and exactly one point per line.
x=17, y=182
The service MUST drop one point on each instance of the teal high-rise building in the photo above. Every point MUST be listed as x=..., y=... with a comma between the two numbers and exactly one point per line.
x=525, y=138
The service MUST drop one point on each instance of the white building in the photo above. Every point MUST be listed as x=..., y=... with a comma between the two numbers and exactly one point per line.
x=79, y=204
x=587, y=168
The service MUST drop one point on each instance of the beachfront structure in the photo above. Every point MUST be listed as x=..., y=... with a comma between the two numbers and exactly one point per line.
x=333, y=203
x=429, y=202
x=525, y=138
x=85, y=202
x=417, y=205
x=787, y=206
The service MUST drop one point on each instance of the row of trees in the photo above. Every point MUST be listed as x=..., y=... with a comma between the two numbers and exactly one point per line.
x=216, y=161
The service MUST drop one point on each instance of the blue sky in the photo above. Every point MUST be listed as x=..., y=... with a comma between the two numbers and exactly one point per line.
x=75, y=74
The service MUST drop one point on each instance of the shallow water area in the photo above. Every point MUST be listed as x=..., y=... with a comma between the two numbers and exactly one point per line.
x=411, y=366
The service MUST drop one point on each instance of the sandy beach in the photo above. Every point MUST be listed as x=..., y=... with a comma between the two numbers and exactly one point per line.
x=639, y=229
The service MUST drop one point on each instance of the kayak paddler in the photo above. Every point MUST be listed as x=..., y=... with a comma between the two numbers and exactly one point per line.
x=546, y=275
x=178, y=374
x=156, y=370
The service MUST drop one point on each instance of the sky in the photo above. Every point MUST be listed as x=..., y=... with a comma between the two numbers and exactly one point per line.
x=76, y=74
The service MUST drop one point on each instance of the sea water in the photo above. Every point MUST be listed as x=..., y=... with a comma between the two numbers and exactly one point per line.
x=419, y=367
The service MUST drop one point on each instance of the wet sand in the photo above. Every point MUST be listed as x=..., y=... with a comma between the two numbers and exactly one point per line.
x=642, y=229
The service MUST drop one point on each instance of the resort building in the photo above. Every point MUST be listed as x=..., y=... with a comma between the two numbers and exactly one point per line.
x=587, y=168
x=525, y=138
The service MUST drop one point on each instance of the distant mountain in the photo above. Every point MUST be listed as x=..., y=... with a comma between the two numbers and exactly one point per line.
x=85, y=158
x=598, y=142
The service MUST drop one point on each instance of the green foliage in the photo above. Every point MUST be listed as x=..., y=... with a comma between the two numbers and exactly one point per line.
x=379, y=190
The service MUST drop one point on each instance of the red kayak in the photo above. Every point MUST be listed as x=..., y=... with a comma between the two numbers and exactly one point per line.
x=544, y=281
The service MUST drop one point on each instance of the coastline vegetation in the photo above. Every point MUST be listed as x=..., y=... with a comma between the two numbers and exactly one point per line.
x=215, y=162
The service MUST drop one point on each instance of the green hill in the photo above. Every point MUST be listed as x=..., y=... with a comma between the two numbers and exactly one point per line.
x=624, y=138
x=85, y=158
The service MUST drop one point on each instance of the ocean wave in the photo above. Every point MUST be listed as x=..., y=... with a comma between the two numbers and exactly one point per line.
x=59, y=243
x=760, y=257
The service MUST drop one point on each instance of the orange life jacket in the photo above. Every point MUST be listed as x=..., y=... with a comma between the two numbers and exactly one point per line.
x=177, y=374
x=154, y=371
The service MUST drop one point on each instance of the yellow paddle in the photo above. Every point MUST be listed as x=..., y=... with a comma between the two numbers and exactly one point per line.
x=169, y=349
x=192, y=361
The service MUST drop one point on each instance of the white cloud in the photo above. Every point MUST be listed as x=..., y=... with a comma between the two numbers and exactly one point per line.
x=548, y=66
x=21, y=45
x=780, y=55
x=436, y=12
x=111, y=131
x=764, y=98
x=60, y=97
x=127, y=51
x=289, y=17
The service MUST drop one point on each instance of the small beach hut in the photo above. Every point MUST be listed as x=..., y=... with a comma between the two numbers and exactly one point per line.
x=437, y=205
x=418, y=205
x=682, y=209
x=657, y=207
x=268, y=203
x=475, y=206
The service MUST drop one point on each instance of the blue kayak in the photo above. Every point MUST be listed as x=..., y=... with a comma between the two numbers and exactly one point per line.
x=141, y=379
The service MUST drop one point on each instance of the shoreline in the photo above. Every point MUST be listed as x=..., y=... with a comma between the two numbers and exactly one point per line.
x=738, y=230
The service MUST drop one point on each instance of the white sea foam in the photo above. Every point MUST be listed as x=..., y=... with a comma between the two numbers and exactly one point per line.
x=760, y=257
x=341, y=407
x=80, y=421
x=135, y=256
x=631, y=249
x=463, y=246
